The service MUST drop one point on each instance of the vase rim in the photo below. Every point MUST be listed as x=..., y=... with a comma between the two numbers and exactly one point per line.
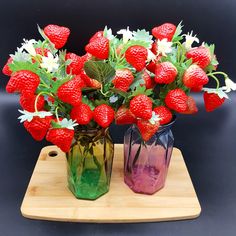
x=170, y=123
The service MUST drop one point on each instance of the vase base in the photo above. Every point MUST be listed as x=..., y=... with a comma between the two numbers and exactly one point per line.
x=48, y=197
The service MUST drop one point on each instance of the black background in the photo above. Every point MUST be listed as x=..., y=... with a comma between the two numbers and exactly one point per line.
x=206, y=140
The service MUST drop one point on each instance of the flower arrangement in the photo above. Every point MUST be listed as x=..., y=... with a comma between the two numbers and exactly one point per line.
x=139, y=78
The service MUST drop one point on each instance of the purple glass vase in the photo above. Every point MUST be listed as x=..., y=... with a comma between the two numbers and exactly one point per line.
x=146, y=163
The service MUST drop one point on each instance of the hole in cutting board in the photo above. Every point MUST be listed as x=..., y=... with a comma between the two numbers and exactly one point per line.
x=53, y=153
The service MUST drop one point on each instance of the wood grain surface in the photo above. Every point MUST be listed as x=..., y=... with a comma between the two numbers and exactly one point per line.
x=48, y=198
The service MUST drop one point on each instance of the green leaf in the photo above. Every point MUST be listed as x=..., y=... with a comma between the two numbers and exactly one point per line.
x=88, y=102
x=56, y=84
x=24, y=65
x=117, y=91
x=99, y=70
x=178, y=32
x=141, y=90
x=143, y=35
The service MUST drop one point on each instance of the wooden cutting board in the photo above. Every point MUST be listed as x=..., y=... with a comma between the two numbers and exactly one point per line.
x=48, y=198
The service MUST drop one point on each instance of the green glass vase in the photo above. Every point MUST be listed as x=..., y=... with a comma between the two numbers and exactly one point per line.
x=89, y=163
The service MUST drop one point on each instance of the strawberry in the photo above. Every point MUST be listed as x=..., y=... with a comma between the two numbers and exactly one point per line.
x=165, y=73
x=166, y=30
x=151, y=66
x=58, y=35
x=6, y=69
x=70, y=92
x=176, y=100
x=195, y=77
x=76, y=64
x=93, y=83
x=42, y=52
x=86, y=57
x=124, y=116
x=141, y=106
x=62, y=137
x=98, y=34
x=192, y=108
x=99, y=48
x=38, y=127
x=146, y=129
x=123, y=79
x=82, y=114
x=80, y=82
x=103, y=115
x=164, y=114
x=212, y=101
x=200, y=55
x=23, y=81
x=27, y=102
x=148, y=82
x=154, y=48
x=136, y=56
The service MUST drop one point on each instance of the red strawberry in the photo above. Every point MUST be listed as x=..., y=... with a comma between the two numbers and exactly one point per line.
x=76, y=64
x=6, y=69
x=58, y=35
x=195, y=77
x=136, y=56
x=141, y=106
x=164, y=114
x=93, y=83
x=38, y=127
x=212, y=101
x=192, y=108
x=123, y=79
x=62, y=137
x=197, y=89
x=80, y=82
x=166, y=30
x=23, y=81
x=176, y=100
x=124, y=116
x=27, y=102
x=42, y=52
x=148, y=82
x=154, y=48
x=103, y=115
x=146, y=129
x=82, y=114
x=99, y=48
x=86, y=57
x=98, y=34
x=165, y=73
x=70, y=92
x=152, y=66
x=200, y=55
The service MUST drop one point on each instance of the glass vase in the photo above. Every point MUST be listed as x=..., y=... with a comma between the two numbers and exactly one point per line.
x=89, y=163
x=146, y=163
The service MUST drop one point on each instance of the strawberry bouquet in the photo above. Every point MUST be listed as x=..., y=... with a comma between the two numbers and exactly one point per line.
x=134, y=77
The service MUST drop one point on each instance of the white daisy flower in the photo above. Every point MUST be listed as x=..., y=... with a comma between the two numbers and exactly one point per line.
x=151, y=56
x=229, y=85
x=50, y=63
x=189, y=40
x=154, y=118
x=127, y=34
x=28, y=45
x=163, y=47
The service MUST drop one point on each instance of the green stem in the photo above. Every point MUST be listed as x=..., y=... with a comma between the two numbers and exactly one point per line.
x=216, y=79
x=56, y=113
x=37, y=98
x=219, y=73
